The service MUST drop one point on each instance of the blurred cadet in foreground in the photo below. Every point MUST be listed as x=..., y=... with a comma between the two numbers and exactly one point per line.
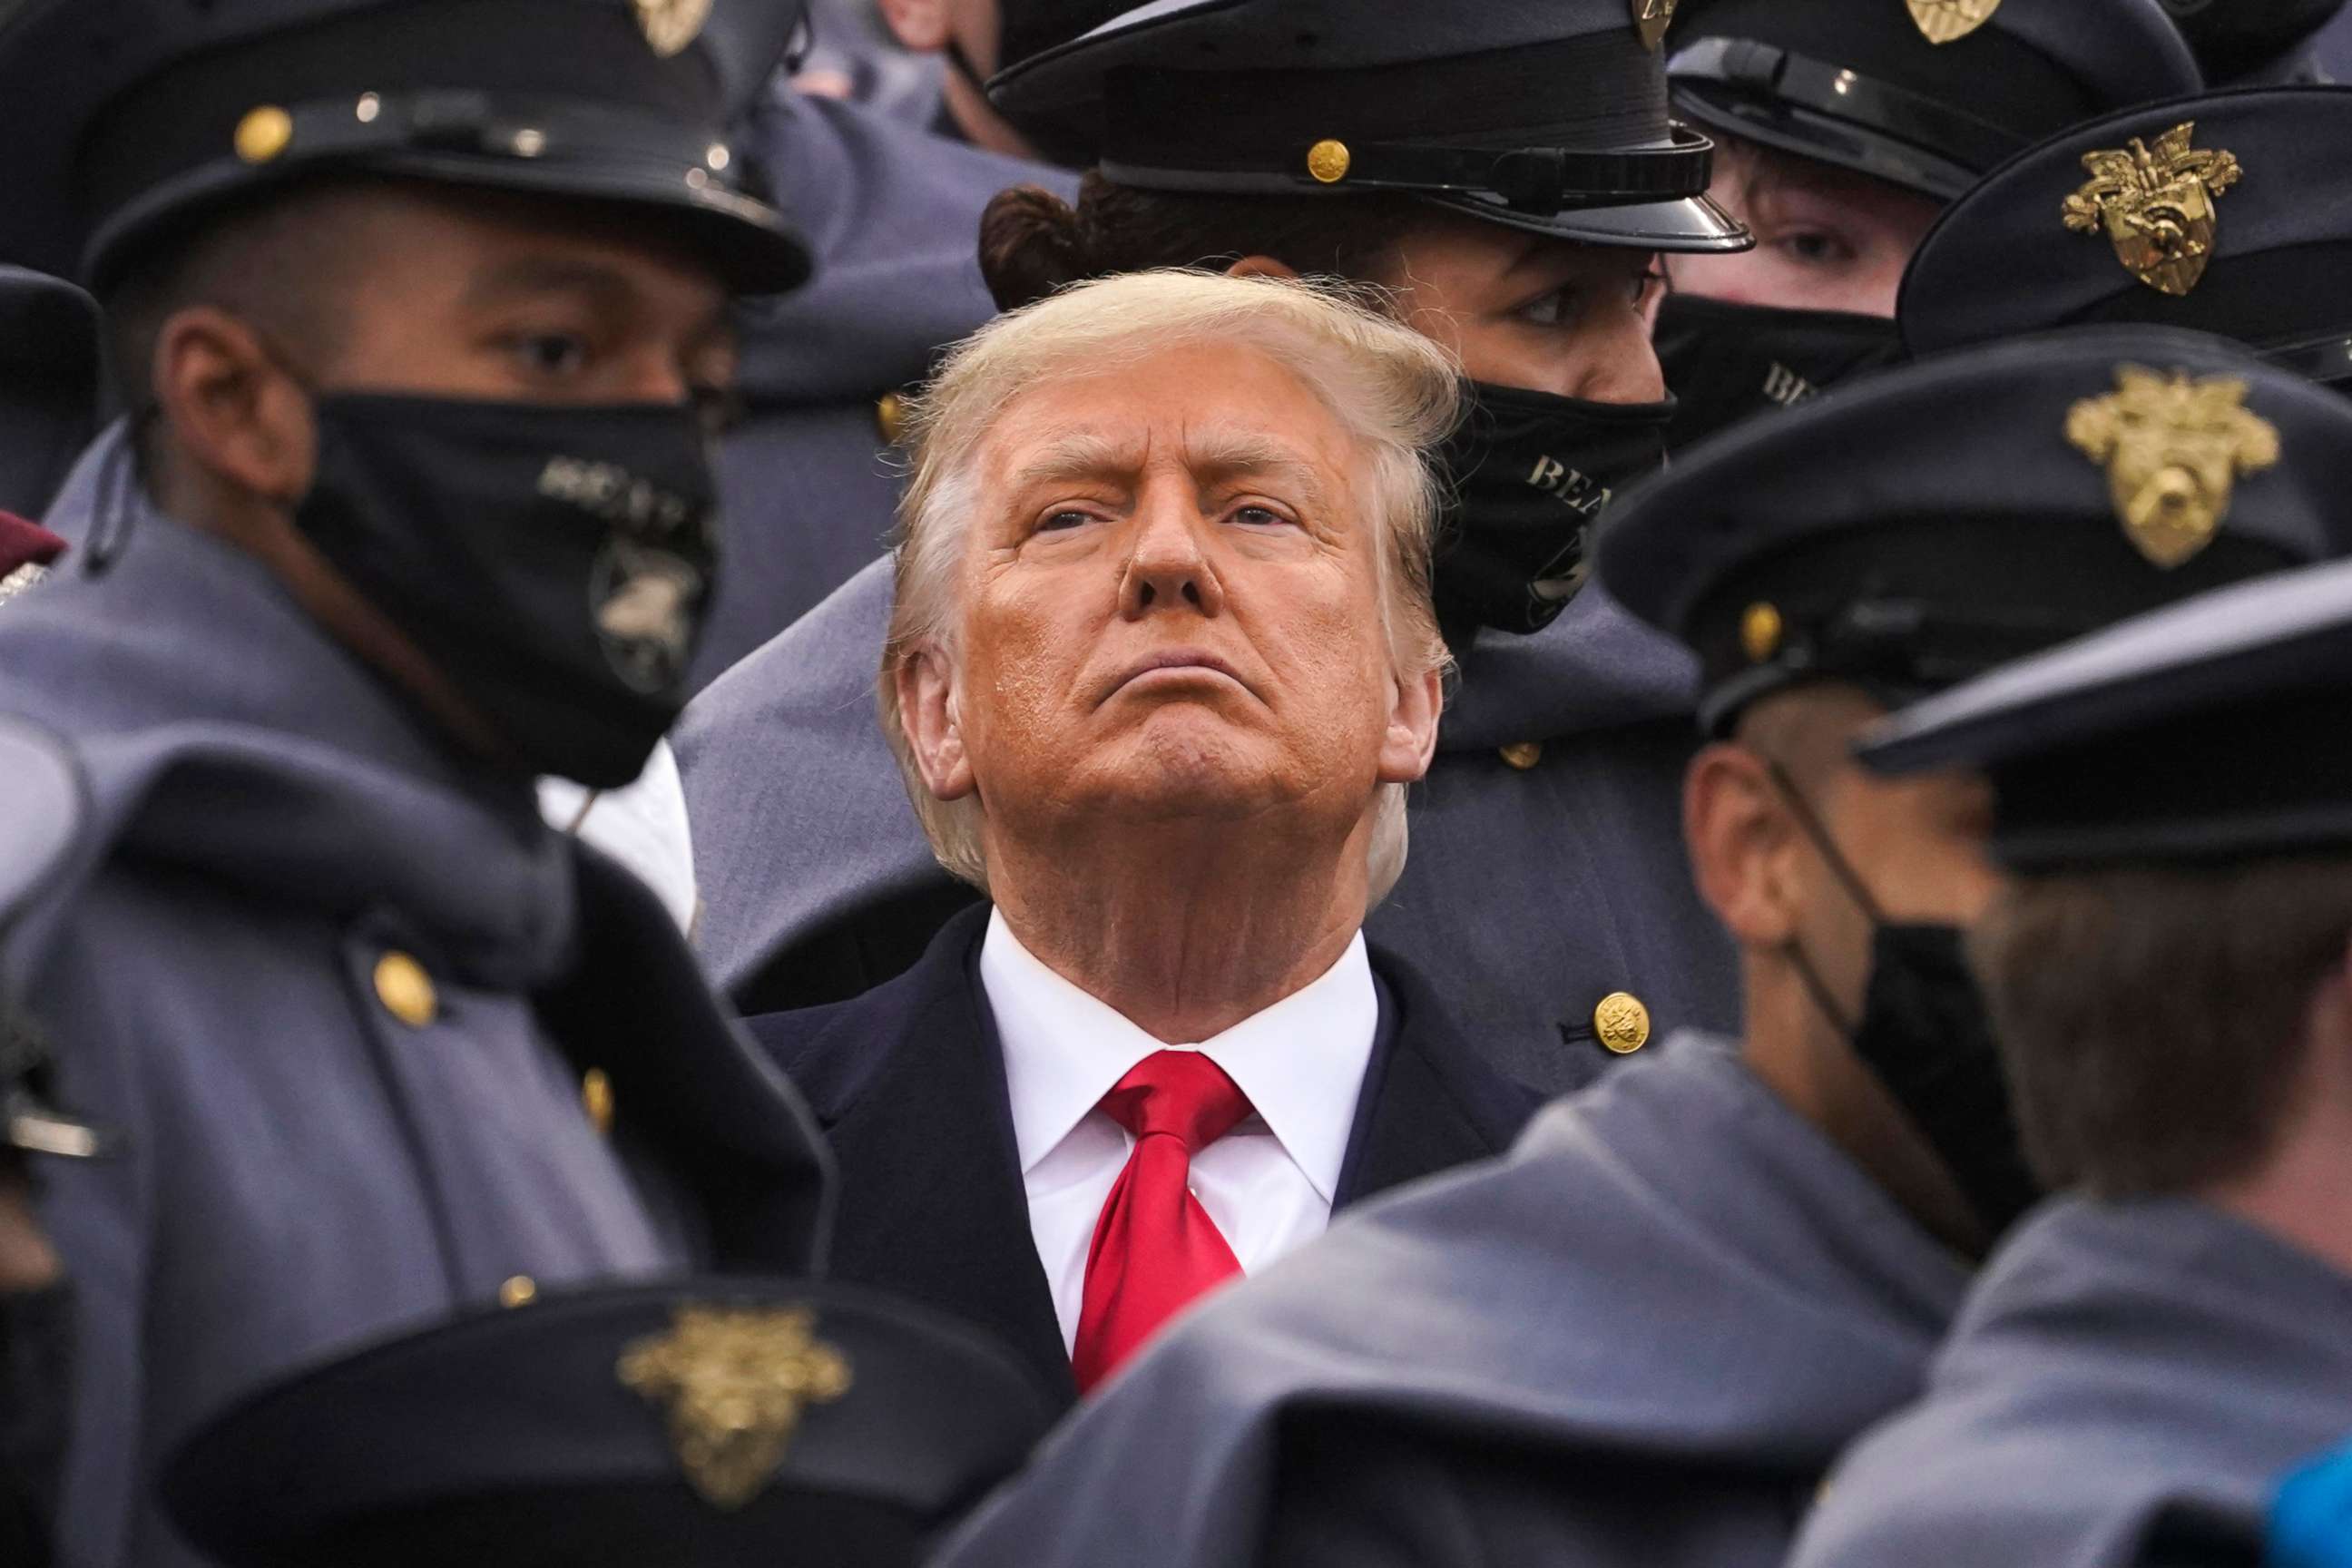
x=2218, y=212
x=2171, y=975
x=416, y=305
x=48, y=397
x=890, y=210
x=1644, y=1336
x=36, y=1337
x=1161, y=667
x=2257, y=43
x=1516, y=223
x=1842, y=126
x=700, y=1424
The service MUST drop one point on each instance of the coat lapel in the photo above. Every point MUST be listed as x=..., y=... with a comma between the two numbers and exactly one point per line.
x=1429, y=1102
x=908, y=1084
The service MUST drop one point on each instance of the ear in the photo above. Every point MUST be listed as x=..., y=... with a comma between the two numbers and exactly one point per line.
x=925, y=680
x=1745, y=850
x=1262, y=267
x=233, y=411
x=1410, y=742
x=921, y=25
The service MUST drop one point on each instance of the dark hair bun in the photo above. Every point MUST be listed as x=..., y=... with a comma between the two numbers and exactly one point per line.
x=1029, y=245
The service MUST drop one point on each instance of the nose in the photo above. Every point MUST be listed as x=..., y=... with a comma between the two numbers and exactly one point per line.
x=1619, y=363
x=1168, y=568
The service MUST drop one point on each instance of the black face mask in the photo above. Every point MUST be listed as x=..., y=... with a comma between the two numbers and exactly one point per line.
x=1530, y=474
x=1925, y=1034
x=555, y=564
x=1727, y=362
x=37, y=1342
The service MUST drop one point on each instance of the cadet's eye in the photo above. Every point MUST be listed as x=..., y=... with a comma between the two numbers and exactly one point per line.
x=1550, y=310
x=553, y=356
x=1816, y=247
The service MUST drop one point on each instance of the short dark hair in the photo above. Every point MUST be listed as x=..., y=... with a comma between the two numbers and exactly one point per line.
x=273, y=259
x=2154, y=1019
x=1032, y=242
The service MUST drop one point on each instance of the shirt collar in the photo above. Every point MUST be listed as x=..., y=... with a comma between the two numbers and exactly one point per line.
x=1301, y=1061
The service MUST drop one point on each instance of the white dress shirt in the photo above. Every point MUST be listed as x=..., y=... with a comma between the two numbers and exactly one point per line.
x=1267, y=1183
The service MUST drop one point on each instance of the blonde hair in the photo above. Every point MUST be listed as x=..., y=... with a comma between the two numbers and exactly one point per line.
x=1393, y=390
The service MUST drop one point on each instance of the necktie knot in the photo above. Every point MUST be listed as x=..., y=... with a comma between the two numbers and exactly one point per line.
x=1178, y=1094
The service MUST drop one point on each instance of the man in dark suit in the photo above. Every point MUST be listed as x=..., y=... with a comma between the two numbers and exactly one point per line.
x=1162, y=662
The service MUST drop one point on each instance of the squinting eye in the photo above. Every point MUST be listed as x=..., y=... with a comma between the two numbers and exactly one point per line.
x=1063, y=522
x=1260, y=517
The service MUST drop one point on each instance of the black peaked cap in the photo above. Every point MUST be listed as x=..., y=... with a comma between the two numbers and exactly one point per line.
x=1545, y=115
x=1909, y=530
x=124, y=119
x=2211, y=729
x=1859, y=83
x=2003, y=260
x=49, y=385
x=552, y=1434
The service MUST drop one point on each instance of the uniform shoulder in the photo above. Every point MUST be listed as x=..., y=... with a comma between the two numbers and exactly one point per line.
x=48, y=814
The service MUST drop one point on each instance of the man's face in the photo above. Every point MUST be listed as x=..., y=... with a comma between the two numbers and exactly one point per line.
x=469, y=295
x=1918, y=843
x=1170, y=605
x=1825, y=239
x=1529, y=311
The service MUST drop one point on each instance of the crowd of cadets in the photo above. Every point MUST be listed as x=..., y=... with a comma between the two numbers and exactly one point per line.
x=1859, y=1055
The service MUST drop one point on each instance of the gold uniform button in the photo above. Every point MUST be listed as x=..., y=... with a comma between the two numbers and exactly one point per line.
x=405, y=990
x=890, y=417
x=597, y=1094
x=1522, y=754
x=264, y=134
x=1760, y=633
x=520, y=1291
x=1621, y=1022
x=1328, y=161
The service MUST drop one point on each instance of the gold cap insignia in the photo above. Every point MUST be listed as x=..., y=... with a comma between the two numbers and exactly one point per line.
x=2157, y=206
x=1652, y=18
x=1327, y=161
x=670, y=25
x=1759, y=632
x=1944, y=20
x=735, y=1380
x=2172, y=447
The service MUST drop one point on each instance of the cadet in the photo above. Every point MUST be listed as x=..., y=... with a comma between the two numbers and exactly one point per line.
x=2212, y=211
x=1644, y=1335
x=413, y=306
x=2171, y=973
x=36, y=1299
x=891, y=209
x=698, y=1424
x=2257, y=43
x=1844, y=125
x=48, y=393
x=1395, y=142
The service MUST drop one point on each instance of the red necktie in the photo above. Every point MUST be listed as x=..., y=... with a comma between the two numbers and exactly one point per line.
x=1155, y=1248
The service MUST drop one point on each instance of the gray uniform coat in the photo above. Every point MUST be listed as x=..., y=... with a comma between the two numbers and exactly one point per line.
x=1530, y=894
x=319, y=1149
x=1640, y=1339
x=2116, y=1362
x=893, y=213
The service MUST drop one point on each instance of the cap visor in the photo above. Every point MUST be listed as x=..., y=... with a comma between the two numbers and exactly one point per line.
x=1690, y=224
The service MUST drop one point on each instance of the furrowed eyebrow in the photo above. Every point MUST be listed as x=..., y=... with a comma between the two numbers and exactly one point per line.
x=1078, y=457
x=1241, y=455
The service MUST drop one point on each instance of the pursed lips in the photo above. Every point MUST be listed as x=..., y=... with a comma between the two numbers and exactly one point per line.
x=1186, y=658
